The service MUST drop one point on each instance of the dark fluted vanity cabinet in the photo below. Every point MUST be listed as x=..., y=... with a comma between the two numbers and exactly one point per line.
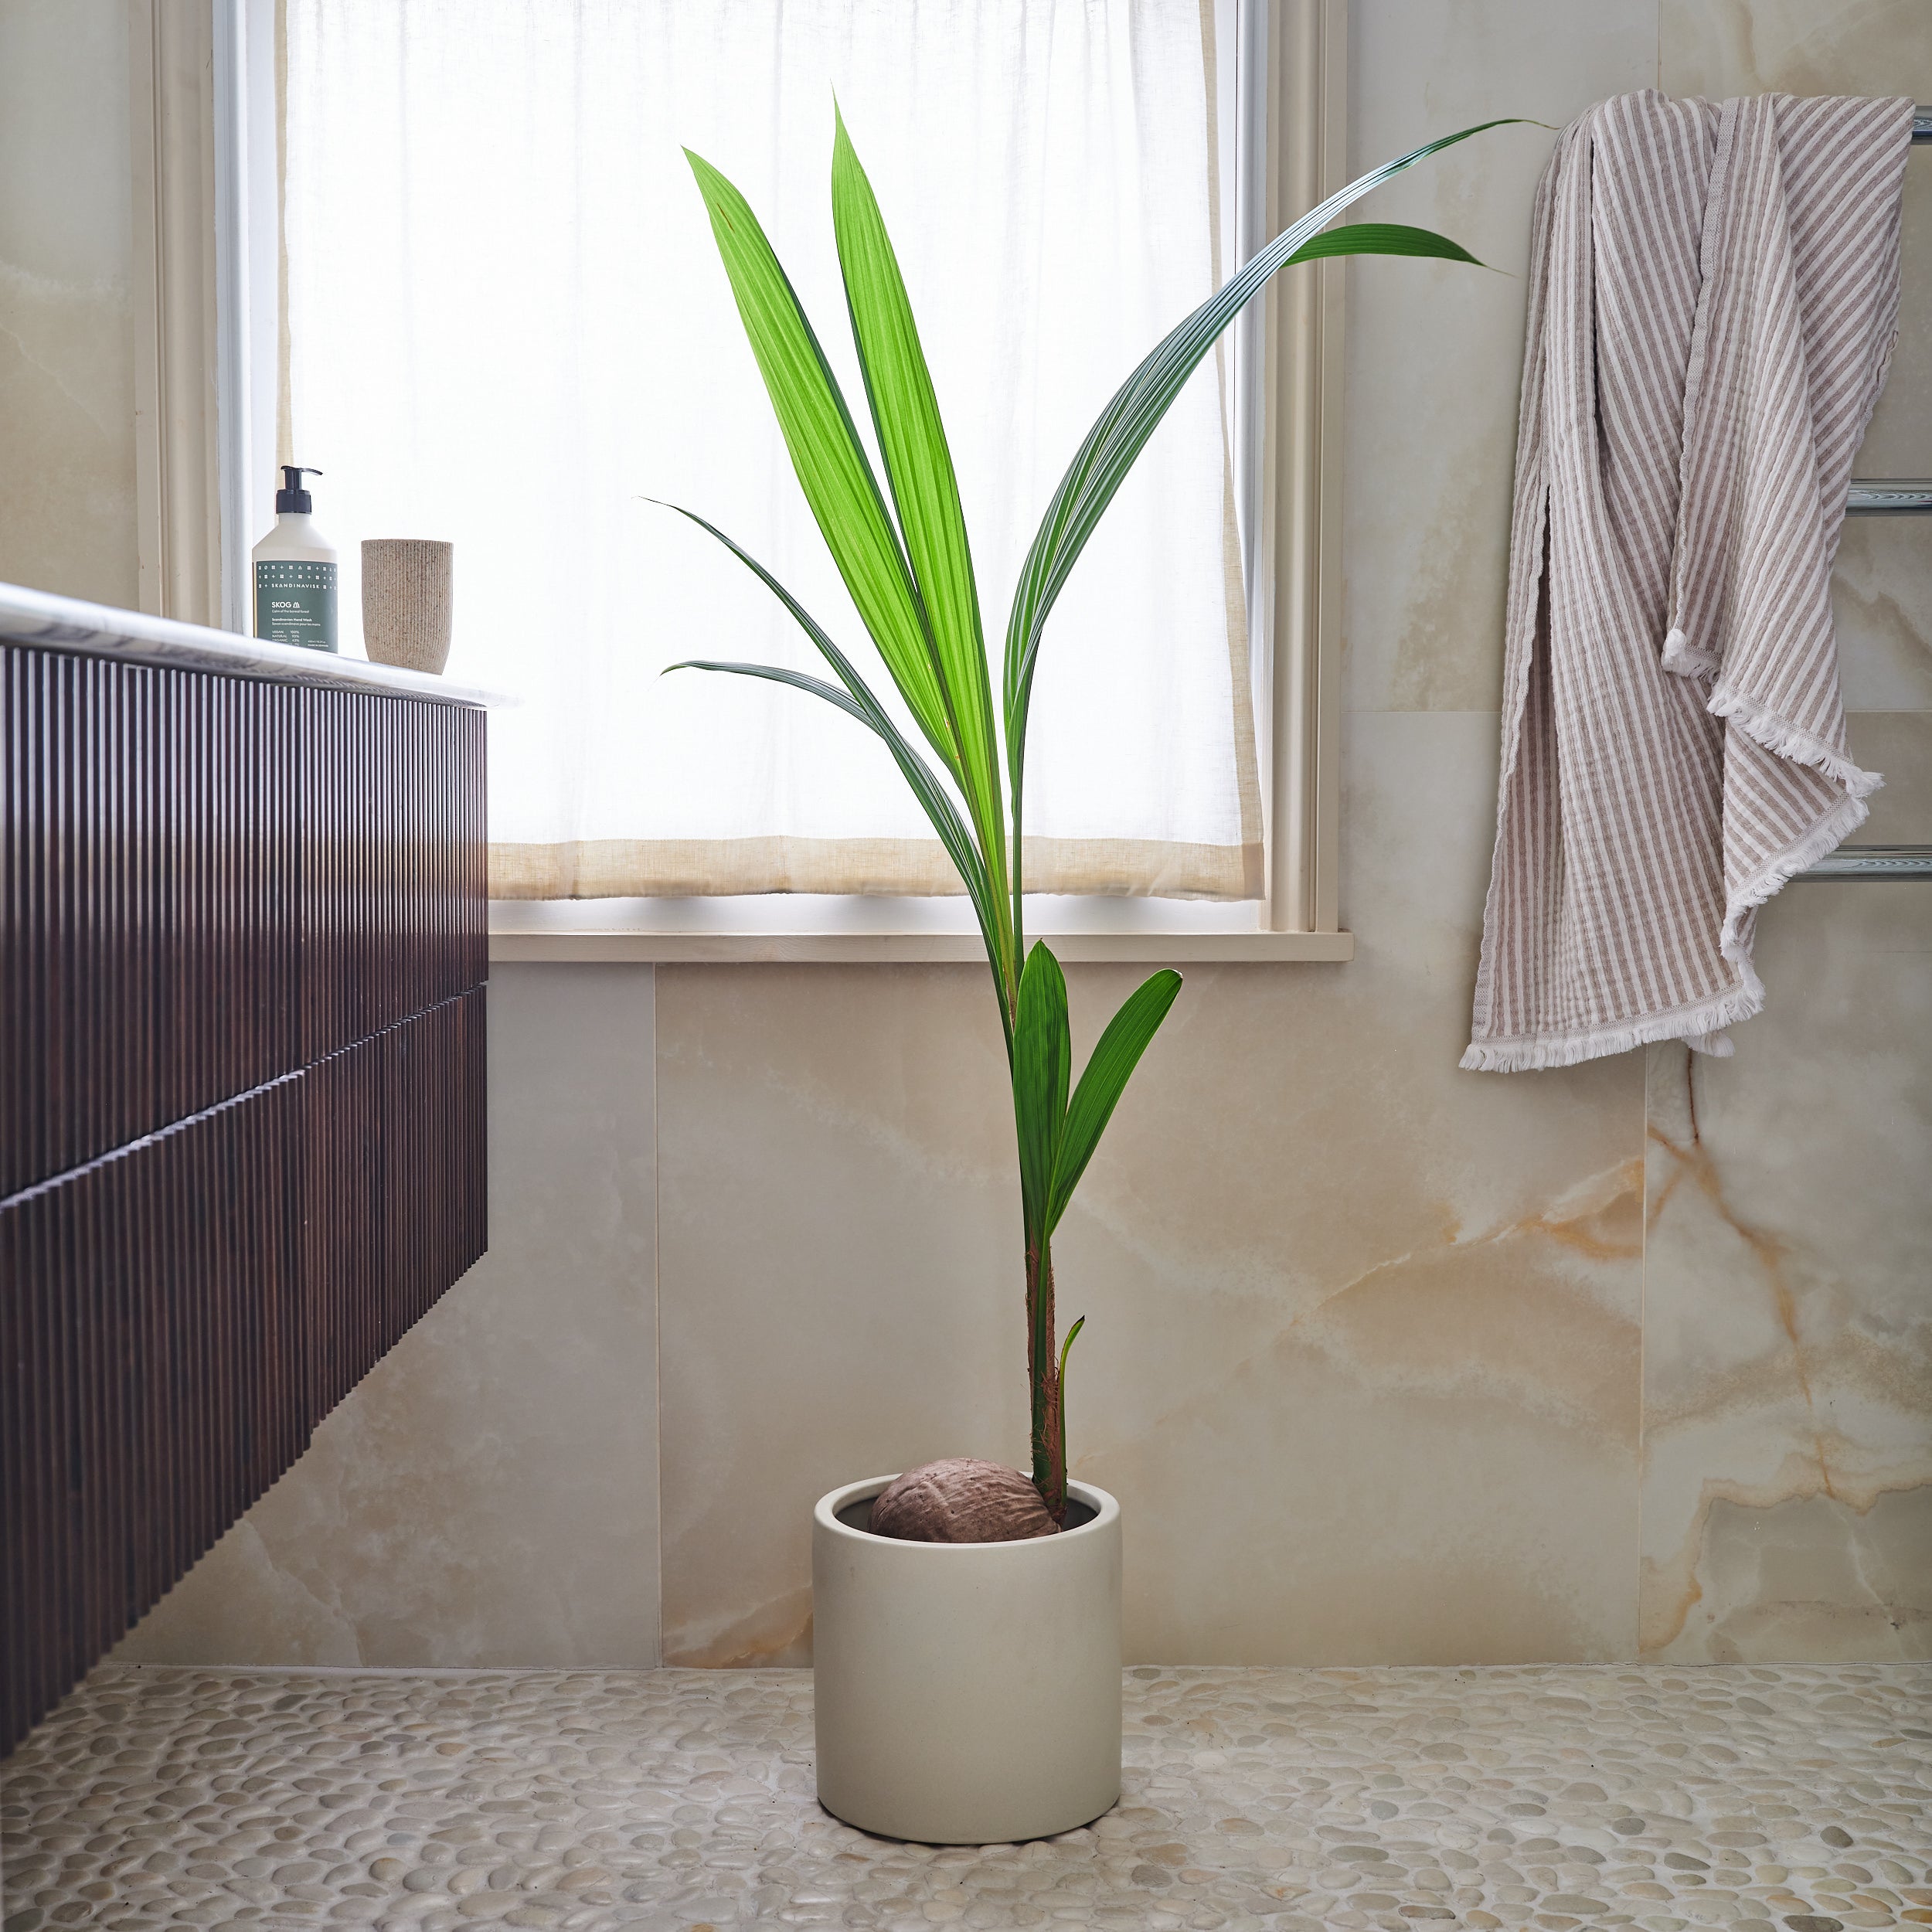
x=243, y=956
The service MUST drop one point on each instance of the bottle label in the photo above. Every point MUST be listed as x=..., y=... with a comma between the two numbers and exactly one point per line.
x=295, y=603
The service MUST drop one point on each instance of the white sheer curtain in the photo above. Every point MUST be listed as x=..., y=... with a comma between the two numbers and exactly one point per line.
x=507, y=326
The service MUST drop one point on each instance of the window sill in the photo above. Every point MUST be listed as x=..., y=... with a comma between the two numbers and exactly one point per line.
x=803, y=928
x=586, y=946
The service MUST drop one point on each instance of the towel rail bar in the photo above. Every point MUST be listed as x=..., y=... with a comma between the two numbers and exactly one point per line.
x=1889, y=496
x=1872, y=861
x=1895, y=496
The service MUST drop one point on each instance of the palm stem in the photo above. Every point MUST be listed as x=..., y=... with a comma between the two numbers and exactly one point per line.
x=1048, y=1430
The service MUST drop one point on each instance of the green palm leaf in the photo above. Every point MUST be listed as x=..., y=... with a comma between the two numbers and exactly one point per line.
x=831, y=465
x=1380, y=238
x=1134, y=414
x=925, y=492
x=1109, y=1068
x=859, y=700
x=1042, y=1065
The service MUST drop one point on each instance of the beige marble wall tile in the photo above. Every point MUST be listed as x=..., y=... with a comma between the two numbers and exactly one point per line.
x=1899, y=442
x=1362, y=1355
x=1435, y=349
x=1788, y=1334
x=66, y=346
x=1788, y=1405
x=1723, y=47
x=836, y=1239
x=488, y=1495
x=1882, y=598
x=1898, y=746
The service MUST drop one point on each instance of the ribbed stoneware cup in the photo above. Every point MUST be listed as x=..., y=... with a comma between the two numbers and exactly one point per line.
x=966, y=1693
x=406, y=601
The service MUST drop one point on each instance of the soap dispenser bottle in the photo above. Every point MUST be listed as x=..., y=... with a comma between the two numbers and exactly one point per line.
x=295, y=571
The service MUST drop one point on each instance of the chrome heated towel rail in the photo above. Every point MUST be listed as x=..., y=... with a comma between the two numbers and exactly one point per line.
x=1885, y=496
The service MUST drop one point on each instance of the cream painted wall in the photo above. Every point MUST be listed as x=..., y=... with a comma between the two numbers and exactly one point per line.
x=66, y=348
x=1387, y=1362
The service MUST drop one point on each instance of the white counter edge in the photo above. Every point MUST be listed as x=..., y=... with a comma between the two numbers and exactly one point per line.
x=50, y=623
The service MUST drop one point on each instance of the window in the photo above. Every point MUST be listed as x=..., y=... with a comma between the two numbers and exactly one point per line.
x=501, y=320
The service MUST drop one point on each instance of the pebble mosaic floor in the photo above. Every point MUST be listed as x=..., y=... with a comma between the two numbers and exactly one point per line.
x=1799, y=1798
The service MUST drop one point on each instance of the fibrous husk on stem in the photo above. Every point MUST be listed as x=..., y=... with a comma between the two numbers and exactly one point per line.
x=961, y=1500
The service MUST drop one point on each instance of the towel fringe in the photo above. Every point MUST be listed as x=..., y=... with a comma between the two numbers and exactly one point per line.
x=1682, y=657
x=1785, y=739
x=1701, y=1026
x=1824, y=836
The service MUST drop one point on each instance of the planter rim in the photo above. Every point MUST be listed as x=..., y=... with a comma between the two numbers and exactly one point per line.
x=825, y=1514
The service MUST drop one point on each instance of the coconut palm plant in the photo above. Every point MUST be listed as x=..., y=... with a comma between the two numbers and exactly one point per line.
x=903, y=553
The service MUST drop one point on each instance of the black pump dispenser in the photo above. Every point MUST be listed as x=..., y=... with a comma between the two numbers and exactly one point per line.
x=291, y=498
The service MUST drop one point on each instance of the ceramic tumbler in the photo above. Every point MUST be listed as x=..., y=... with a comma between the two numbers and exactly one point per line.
x=406, y=601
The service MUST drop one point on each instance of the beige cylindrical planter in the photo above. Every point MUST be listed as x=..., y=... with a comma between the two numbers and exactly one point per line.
x=966, y=1693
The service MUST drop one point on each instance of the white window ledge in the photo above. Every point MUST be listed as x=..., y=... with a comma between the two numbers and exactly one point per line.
x=805, y=929
x=909, y=949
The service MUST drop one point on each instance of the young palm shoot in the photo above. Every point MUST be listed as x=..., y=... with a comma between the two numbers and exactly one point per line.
x=903, y=554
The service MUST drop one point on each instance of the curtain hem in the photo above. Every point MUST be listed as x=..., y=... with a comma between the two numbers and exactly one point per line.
x=890, y=868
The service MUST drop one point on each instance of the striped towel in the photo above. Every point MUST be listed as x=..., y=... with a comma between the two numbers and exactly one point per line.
x=1713, y=297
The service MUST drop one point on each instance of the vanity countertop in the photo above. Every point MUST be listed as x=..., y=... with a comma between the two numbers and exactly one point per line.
x=51, y=623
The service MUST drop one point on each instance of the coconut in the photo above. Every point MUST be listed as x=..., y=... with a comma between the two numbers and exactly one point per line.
x=961, y=1500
